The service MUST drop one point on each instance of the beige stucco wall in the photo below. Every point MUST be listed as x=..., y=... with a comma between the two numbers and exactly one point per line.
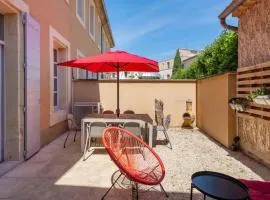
x=139, y=95
x=254, y=34
x=214, y=116
x=61, y=16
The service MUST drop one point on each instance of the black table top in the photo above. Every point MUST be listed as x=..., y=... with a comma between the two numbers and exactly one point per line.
x=219, y=186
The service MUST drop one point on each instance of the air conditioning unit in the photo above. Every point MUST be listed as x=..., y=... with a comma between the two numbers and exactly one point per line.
x=82, y=109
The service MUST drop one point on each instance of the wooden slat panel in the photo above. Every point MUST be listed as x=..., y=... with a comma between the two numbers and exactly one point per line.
x=258, y=112
x=257, y=81
x=254, y=67
x=242, y=95
x=254, y=74
x=245, y=89
x=260, y=105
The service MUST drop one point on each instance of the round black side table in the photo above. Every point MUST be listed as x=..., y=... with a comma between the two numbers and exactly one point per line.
x=218, y=186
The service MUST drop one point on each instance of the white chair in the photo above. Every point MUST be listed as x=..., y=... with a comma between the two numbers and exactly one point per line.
x=134, y=128
x=93, y=129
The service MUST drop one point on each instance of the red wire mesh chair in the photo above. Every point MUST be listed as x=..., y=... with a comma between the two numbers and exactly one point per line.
x=135, y=159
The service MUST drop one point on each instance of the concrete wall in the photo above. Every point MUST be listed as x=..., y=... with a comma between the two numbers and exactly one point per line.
x=254, y=34
x=139, y=95
x=213, y=113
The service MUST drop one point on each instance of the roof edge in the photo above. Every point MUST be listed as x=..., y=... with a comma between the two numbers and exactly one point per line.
x=229, y=10
x=105, y=20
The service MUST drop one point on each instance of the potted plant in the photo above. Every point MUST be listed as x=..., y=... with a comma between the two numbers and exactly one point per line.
x=260, y=96
x=239, y=104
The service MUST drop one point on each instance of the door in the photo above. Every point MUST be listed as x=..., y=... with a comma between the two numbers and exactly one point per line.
x=32, y=42
x=1, y=86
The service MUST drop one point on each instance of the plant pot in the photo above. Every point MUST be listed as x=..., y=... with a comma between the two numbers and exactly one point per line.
x=262, y=99
x=267, y=99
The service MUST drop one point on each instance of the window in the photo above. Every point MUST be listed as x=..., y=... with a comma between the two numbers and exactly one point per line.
x=55, y=80
x=80, y=10
x=2, y=27
x=98, y=34
x=92, y=21
x=168, y=64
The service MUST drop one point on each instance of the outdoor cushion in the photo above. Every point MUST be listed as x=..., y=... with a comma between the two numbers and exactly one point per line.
x=258, y=190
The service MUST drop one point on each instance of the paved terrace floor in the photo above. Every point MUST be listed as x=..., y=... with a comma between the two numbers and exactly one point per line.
x=56, y=173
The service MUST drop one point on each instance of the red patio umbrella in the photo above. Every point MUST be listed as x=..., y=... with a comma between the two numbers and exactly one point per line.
x=114, y=61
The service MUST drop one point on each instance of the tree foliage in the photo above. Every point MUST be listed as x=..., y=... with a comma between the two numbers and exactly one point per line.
x=177, y=64
x=220, y=56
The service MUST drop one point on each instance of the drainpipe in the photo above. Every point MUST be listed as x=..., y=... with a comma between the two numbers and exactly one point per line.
x=25, y=84
x=230, y=9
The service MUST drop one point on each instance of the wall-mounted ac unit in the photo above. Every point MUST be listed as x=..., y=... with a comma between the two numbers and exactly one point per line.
x=82, y=109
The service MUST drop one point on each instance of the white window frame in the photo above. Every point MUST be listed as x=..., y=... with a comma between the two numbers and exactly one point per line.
x=99, y=26
x=57, y=92
x=2, y=114
x=92, y=35
x=82, y=21
x=59, y=115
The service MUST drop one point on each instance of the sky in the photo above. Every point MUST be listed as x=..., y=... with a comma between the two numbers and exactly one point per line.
x=156, y=28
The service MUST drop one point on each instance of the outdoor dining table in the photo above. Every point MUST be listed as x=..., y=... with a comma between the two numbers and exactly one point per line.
x=143, y=119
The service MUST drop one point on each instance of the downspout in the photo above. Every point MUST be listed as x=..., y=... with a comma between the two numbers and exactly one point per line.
x=230, y=9
x=25, y=85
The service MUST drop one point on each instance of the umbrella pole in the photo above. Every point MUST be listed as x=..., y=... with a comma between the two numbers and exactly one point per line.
x=118, y=110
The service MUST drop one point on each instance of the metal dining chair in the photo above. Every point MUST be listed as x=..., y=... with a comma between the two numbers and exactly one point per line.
x=72, y=126
x=166, y=126
x=93, y=130
x=134, y=128
x=108, y=112
x=129, y=112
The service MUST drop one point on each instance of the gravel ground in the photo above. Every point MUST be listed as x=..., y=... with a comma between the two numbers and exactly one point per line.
x=57, y=173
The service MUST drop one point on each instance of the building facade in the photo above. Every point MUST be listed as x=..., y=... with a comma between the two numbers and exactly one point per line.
x=187, y=57
x=252, y=73
x=36, y=94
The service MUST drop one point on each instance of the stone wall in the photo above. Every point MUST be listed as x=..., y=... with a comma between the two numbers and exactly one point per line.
x=254, y=49
x=254, y=35
x=255, y=137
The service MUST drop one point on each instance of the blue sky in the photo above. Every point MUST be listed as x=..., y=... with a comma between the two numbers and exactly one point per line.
x=156, y=28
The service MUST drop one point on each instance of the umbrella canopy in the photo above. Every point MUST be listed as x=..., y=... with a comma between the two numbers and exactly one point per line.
x=110, y=61
x=114, y=61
